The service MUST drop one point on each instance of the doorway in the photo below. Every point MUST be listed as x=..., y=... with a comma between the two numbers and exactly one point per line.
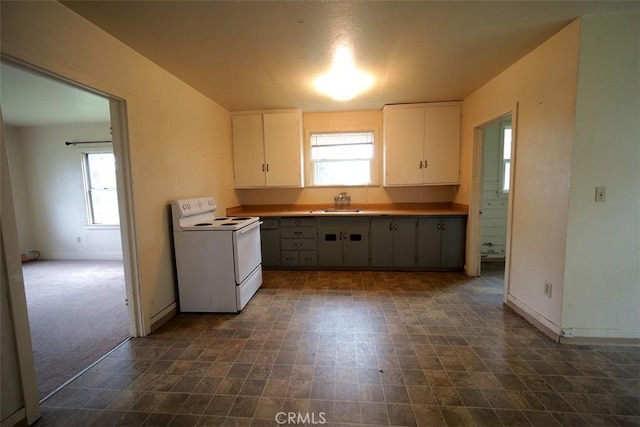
x=487, y=204
x=494, y=196
x=67, y=253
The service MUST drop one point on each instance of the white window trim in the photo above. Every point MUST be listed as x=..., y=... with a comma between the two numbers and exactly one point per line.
x=501, y=174
x=375, y=161
x=101, y=149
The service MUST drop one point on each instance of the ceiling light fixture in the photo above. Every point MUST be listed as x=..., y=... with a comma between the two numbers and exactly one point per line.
x=343, y=81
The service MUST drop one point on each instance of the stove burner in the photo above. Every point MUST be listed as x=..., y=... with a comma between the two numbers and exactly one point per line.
x=203, y=224
x=229, y=223
x=221, y=219
x=244, y=218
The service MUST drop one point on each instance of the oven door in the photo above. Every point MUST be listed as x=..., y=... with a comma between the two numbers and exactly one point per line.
x=246, y=251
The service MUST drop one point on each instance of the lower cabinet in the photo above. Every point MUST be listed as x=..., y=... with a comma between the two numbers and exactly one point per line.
x=343, y=242
x=393, y=242
x=270, y=242
x=441, y=242
x=298, y=242
x=412, y=243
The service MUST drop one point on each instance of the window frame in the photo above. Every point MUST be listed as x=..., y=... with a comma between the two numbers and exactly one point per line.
x=502, y=175
x=374, y=162
x=86, y=178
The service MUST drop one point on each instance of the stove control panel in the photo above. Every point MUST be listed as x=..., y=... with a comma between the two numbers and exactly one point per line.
x=195, y=206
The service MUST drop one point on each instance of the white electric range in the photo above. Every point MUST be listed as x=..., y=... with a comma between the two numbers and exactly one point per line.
x=218, y=260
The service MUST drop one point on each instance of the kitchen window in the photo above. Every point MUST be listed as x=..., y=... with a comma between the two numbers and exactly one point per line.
x=505, y=155
x=342, y=158
x=100, y=188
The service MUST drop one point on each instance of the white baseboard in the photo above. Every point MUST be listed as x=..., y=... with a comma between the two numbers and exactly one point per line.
x=540, y=322
x=18, y=417
x=163, y=316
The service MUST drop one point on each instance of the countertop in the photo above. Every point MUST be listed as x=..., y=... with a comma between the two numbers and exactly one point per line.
x=354, y=209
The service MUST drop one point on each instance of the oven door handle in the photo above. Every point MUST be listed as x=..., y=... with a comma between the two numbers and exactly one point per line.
x=250, y=227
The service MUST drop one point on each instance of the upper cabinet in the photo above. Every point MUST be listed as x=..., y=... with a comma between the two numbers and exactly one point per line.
x=422, y=144
x=267, y=149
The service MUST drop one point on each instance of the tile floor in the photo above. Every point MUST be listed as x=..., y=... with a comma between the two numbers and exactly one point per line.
x=354, y=348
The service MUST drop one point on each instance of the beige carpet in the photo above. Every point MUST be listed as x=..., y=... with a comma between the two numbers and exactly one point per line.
x=77, y=314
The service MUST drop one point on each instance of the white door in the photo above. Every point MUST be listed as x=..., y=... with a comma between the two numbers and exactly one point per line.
x=282, y=149
x=248, y=151
x=404, y=136
x=442, y=145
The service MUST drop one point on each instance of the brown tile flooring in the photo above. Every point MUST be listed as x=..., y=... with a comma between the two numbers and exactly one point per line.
x=386, y=348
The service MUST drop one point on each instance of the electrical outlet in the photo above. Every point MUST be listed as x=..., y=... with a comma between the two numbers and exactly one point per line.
x=547, y=288
x=601, y=192
x=567, y=334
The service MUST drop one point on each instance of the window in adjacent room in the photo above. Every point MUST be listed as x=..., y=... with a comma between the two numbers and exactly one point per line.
x=342, y=158
x=100, y=188
x=505, y=155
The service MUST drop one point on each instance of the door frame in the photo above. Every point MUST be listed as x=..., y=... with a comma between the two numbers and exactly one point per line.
x=473, y=255
x=119, y=129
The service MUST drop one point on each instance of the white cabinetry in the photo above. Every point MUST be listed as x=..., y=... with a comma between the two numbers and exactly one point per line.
x=422, y=144
x=267, y=149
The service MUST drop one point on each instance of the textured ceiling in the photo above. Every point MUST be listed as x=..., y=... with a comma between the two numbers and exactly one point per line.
x=256, y=55
x=260, y=55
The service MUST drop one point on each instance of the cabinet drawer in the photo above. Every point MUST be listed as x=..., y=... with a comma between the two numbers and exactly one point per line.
x=270, y=223
x=290, y=258
x=308, y=258
x=298, y=232
x=298, y=222
x=298, y=244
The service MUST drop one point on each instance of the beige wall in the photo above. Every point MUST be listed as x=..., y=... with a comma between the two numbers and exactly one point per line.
x=355, y=120
x=543, y=84
x=180, y=141
x=602, y=277
x=48, y=184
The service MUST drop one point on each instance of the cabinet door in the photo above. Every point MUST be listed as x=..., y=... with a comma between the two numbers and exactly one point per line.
x=429, y=237
x=381, y=242
x=453, y=245
x=404, y=242
x=248, y=151
x=355, y=247
x=442, y=144
x=290, y=258
x=283, y=149
x=329, y=247
x=270, y=246
x=403, y=146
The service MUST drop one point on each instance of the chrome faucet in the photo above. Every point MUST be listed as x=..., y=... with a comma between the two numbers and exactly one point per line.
x=342, y=200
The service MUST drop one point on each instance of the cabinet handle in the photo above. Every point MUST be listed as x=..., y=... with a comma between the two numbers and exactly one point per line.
x=420, y=164
x=444, y=226
x=395, y=226
x=390, y=226
x=425, y=165
x=263, y=167
x=439, y=227
x=267, y=167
